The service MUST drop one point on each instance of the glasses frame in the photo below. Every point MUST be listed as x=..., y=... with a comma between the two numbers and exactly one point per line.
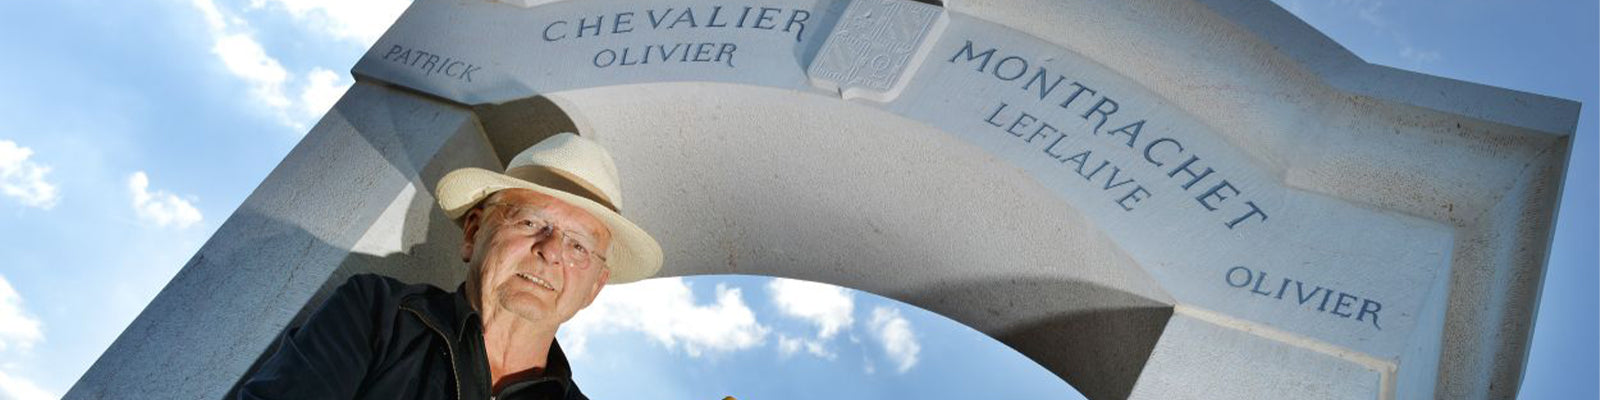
x=543, y=225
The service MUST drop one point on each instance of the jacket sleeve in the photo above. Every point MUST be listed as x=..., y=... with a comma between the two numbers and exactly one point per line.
x=327, y=356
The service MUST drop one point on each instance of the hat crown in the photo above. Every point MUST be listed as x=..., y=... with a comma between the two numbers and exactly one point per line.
x=576, y=158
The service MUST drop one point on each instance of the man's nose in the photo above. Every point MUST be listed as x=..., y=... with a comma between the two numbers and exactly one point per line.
x=548, y=246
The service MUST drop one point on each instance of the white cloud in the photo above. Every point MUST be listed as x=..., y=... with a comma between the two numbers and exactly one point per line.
x=160, y=208
x=24, y=180
x=359, y=21
x=1418, y=57
x=788, y=346
x=323, y=88
x=1370, y=11
x=214, y=19
x=269, y=81
x=17, y=328
x=828, y=307
x=18, y=388
x=894, y=332
x=664, y=310
x=1372, y=15
x=246, y=59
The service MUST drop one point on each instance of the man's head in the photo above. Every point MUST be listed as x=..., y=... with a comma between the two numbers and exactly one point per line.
x=534, y=255
x=542, y=237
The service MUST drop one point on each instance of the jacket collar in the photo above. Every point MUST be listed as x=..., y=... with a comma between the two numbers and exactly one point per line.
x=455, y=311
x=442, y=309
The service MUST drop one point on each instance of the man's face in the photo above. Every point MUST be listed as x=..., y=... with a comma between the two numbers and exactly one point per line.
x=538, y=257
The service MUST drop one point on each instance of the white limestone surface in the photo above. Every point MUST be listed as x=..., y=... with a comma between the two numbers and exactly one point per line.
x=1199, y=360
x=1180, y=193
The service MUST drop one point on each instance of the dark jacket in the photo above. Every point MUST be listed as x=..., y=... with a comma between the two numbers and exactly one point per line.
x=378, y=338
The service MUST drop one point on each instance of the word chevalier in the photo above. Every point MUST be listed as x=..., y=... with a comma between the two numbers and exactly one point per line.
x=673, y=18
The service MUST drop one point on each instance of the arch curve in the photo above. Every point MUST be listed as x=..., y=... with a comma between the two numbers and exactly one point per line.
x=789, y=184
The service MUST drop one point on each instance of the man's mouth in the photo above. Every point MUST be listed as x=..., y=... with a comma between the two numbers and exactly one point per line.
x=536, y=280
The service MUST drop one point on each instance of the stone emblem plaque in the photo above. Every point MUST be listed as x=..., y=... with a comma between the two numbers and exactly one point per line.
x=872, y=47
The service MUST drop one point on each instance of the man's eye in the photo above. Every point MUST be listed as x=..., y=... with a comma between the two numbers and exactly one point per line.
x=579, y=247
x=533, y=227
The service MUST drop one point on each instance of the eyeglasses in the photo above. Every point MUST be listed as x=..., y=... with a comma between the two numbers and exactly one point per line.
x=577, y=247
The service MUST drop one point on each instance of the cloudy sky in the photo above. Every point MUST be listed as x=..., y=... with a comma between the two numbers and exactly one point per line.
x=130, y=130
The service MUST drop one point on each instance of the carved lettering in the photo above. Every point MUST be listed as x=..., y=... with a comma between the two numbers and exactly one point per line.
x=791, y=21
x=704, y=52
x=1181, y=164
x=431, y=63
x=1242, y=277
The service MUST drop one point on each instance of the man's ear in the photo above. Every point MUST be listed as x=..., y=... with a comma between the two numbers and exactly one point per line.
x=470, y=226
x=605, y=275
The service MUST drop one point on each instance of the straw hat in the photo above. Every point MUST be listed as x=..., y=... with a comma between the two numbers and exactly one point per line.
x=576, y=170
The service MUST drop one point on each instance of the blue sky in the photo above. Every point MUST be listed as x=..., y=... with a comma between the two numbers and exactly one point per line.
x=130, y=130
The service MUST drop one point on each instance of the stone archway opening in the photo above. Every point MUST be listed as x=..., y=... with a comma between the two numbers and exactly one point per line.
x=779, y=338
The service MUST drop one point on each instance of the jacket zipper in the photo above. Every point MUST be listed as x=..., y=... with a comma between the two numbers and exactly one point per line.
x=447, y=346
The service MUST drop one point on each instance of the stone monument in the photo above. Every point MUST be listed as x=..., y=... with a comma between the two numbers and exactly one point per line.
x=1152, y=199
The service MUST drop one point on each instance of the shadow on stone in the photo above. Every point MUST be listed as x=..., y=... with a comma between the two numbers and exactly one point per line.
x=1095, y=337
x=518, y=124
x=1101, y=352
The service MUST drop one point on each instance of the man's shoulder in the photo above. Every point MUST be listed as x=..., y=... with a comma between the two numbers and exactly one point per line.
x=357, y=326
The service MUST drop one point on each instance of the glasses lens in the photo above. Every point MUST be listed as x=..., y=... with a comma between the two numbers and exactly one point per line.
x=575, y=251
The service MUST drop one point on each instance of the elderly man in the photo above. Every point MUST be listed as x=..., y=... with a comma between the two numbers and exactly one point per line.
x=539, y=241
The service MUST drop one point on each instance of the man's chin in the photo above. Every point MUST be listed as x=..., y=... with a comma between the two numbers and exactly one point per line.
x=526, y=305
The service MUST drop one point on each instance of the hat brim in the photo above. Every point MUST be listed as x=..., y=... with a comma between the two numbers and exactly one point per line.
x=633, y=254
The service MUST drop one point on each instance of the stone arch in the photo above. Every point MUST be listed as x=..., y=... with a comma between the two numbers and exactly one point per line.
x=1360, y=167
x=1045, y=281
